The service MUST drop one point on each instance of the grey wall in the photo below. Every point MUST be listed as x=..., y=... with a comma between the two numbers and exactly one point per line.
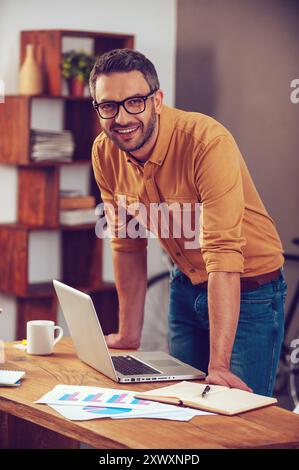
x=235, y=62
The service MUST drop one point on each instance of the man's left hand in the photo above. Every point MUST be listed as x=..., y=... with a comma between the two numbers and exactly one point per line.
x=223, y=376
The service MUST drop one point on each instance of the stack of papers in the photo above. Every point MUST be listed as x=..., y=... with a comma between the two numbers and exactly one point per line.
x=84, y=403
x=50, y=145
x=11, y=378
x=77, y=216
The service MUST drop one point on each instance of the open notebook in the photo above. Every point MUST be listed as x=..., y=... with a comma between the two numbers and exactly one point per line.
x=219, y=399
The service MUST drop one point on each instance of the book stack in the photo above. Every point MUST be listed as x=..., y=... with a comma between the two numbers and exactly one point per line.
x=76, y=209
x=50, y=145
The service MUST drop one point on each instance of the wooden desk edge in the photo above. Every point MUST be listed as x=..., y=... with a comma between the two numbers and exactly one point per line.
x=40, y=418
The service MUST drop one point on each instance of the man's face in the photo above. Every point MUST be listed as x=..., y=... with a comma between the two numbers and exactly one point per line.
x=130, y=132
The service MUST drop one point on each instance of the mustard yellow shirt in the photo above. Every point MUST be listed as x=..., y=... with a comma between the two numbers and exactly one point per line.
x=195, y=160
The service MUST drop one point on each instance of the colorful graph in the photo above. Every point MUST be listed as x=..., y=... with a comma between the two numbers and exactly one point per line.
x=118, y=398
x=103, y=398
x=125, y=398
x=138, y=401
x=94, y=397
x=70, y=396
x=99, y=411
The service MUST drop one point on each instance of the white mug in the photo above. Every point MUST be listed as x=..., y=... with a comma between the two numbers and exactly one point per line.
x=40, y=336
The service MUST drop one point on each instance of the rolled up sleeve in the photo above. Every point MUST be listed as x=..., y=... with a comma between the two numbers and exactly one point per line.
x=219, y=183
x=117, y=224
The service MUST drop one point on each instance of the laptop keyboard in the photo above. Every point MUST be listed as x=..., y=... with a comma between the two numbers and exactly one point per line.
x=127, y=365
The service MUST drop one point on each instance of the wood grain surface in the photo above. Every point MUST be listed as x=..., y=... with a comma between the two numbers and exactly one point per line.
x=270, y=427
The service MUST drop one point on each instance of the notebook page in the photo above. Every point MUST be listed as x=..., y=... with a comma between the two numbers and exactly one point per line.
x=233, y=401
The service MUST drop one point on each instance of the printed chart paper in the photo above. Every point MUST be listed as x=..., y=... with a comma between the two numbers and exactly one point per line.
x=170, y=412
x=77, y=395
x=80, y=403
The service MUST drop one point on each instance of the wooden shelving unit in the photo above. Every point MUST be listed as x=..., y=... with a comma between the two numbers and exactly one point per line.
x=15, y=118
x=38, y=190
x=49, y=44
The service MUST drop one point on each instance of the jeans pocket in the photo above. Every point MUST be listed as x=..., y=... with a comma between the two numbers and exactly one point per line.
x=251, y=299
x=262, y=295
x=174, y=274
x=202, y=309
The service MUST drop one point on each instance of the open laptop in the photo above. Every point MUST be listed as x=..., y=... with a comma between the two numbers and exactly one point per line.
x=91, y=347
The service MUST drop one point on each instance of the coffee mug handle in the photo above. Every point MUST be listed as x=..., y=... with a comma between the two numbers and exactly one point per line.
x=56, y=327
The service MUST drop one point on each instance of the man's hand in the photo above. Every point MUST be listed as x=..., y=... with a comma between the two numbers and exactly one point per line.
x=115, y=340
x=223, y=376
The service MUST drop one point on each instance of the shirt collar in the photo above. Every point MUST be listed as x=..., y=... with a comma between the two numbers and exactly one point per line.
x=162, y=143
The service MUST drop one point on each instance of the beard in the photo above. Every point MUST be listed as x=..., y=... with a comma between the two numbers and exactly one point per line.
x=146, y=134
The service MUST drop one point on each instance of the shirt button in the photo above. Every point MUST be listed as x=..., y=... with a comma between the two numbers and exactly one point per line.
x=178, y=254
x=192, y=270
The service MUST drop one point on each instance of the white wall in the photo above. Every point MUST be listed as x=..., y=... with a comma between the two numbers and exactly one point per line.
x=152, y=22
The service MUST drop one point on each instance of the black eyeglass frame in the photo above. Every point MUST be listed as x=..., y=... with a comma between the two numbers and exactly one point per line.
x=123, y=104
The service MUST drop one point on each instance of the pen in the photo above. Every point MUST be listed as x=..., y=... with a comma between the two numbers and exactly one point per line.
x=206, y=390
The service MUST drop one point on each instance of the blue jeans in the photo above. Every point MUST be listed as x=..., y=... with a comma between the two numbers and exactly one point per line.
x=259, y=335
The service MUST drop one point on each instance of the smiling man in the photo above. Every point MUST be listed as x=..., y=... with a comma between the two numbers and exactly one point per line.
x=227, y=292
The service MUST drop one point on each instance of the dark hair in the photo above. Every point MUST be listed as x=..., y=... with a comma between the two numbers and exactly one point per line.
x=123, y=60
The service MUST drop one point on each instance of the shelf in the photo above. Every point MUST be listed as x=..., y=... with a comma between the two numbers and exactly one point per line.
x=50, y=163
x=15, y=142
x=77, y=227
x=84, y=34
x=49, y=45
x=46, y=289
x=38, y=186
x=39, y=228
x=50, y=97
x=81, y=260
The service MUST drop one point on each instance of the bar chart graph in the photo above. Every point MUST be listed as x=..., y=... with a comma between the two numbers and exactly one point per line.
x=70, y=397
x=95, y=397
x=82, y=402
x=103, y=398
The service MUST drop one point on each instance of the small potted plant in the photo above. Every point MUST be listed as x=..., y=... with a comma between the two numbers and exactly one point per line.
x=76, y=67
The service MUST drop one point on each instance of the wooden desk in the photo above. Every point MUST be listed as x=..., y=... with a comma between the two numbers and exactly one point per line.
x=24, y=424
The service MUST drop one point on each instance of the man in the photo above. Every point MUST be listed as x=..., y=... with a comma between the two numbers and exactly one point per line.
x=227, y=294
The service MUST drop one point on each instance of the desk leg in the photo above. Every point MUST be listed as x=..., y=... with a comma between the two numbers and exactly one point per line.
x=16, y=433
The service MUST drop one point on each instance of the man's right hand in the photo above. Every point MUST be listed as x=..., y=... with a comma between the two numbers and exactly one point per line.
x=115, y=340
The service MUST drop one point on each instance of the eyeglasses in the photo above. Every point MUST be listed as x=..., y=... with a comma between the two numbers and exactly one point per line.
x=133, y=105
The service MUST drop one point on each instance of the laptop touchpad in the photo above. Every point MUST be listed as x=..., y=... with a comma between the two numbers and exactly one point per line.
x=164, y=363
